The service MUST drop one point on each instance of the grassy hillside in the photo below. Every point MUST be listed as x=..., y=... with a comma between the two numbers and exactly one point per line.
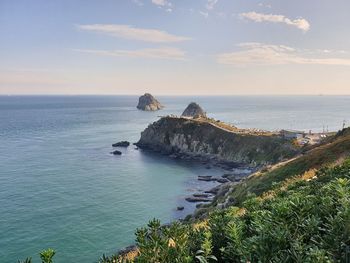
x=332, y=152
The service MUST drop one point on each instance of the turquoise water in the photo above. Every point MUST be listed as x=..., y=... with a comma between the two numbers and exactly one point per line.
x=60, y=187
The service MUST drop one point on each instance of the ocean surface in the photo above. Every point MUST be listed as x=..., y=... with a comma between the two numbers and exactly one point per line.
x=61, y=188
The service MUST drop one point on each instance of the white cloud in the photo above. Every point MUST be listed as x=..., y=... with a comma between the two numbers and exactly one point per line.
x=263, y=54
x=265, y=5
x=150, y=53
x=210, y=4
x=205, y=14
x=133, y=33
x=300, y=23
x=163, y=3
x=160, y=2
x=138, y=2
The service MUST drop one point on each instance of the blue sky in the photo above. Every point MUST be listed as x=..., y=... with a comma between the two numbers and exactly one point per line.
x=198, y=47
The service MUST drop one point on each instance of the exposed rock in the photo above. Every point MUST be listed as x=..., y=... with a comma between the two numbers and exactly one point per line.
x=222, y=180
x=214, y=190
x=180, y=208
x=116, y=152
x=192, y=138
x=148, y=103
x=130, y=249
x=193, y=110
x=121, y=144
x=206, y=178
x=201, y=195
x=193, y=199
x=231, y=177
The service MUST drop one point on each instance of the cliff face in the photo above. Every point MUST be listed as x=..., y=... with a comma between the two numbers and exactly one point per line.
x=148, y=103
x=200, y=138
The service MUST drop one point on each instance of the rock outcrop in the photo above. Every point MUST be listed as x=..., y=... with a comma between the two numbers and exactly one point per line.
x=203, y=140
x=148, y=103
x=121, y=144
x=116, y=152
x=193, y=110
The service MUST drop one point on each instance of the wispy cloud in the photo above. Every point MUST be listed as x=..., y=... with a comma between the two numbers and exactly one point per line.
x=205, y=14
x=160, y=2
x=163, y=4
x=138, y=2
x=133, y=33
x=265, y=5
x=210, y=4
x=263, y=54
x=150, y=53
x=299, y=23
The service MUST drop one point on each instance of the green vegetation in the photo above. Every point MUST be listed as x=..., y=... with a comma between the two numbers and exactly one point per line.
x=325, y=155
x=45, y=255
x=27, y=260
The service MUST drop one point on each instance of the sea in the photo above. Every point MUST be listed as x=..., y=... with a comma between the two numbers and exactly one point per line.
x=61, y=188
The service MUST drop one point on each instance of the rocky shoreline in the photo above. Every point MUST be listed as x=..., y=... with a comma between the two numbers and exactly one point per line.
x=232, y=174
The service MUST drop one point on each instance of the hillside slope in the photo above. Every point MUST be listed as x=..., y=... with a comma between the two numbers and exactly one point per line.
x=334, y=151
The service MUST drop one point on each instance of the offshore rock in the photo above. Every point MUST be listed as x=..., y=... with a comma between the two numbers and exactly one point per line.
x=193, y=110
x=121, y=144
x=149, y=103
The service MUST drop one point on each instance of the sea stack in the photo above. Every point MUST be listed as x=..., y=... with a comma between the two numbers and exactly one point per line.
x=193, y=110
x=148, y=103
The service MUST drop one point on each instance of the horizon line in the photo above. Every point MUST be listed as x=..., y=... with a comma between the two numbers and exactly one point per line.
x=170, y=95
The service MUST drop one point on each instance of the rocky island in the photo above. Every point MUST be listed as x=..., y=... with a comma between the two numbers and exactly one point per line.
x=149, y=103
x=193, y=110
x=205, y=139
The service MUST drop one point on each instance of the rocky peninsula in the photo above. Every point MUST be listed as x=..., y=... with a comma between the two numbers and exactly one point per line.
x=149, y=103
x=209, y=140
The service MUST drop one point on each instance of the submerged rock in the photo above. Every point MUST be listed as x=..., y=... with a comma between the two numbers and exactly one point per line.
x=193, y=110
x=116, y=152
x=121, y=144
x=149, y=103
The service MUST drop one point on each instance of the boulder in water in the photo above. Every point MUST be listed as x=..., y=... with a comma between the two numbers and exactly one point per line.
x=193, y=110
x=149, y=103
x=121, y=144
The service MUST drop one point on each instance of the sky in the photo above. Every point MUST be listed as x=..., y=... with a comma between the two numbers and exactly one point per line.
x=175, y=47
